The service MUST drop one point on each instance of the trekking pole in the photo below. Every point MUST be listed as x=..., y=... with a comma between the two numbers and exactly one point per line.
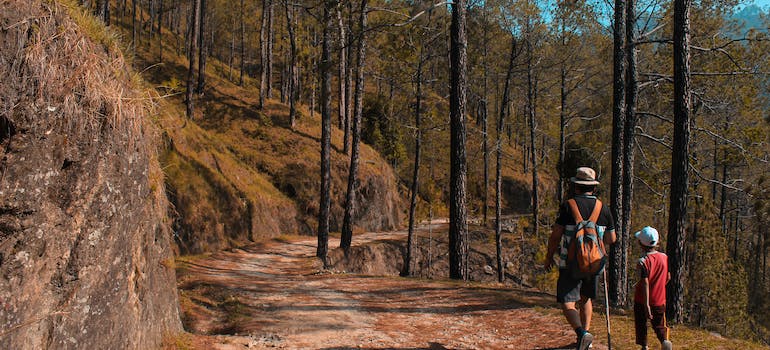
x=607, y=310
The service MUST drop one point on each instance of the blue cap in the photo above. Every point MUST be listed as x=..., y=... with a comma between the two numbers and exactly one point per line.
x=648, y=236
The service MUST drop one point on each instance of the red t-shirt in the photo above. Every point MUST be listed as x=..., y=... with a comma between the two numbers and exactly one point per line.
x=654, y=267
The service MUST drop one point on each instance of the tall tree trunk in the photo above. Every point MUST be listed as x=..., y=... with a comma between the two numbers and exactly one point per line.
x=232, y=53
x=292, y=65
x=243, y=44
x=160, y=33
x=532, y=137
x=133, y=24
x=346, y=237
x=485, y=113
x=160, y=16
x=344, y=121
x=102, y=11
x=349, y=77
x=498, y=169
x=264, y=81
x=192, y=42
x=202, y=48
x=723, y=202
x=140, y=22
x=326, y=129
x=629, y=145
x=151, y=8
x=618, y=273
x=723, y=190
x=458, y=213
x=269, y=56
x=408, y=271
x=715, y=167
x=562, y=115
x=562, y=133
x=679, y=161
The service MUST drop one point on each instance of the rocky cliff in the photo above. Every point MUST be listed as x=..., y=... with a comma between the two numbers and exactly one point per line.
x=85, y=250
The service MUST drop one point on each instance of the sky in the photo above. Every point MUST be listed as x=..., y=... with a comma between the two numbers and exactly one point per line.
x=762, y=3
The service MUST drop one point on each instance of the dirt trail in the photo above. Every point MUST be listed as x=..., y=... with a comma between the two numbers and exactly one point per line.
x=276, y=295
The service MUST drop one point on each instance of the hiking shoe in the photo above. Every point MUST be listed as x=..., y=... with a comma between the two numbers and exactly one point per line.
x=666, y=345
x=584, y=342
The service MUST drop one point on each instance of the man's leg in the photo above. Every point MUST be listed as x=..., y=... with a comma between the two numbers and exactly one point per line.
x=586, y=311
x=568, y=294
x=572, y=315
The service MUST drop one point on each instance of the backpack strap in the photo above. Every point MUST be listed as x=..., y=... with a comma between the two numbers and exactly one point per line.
x=575, y=211
x=594, y=217
x=597, y=211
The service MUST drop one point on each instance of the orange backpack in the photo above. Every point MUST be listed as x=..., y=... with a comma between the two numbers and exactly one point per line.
x=586, y=254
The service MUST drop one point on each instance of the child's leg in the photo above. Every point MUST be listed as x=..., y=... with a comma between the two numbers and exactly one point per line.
x=659, y=322
x=640, y=323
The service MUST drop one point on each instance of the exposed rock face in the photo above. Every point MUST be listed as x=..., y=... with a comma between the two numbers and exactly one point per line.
x=85, y=257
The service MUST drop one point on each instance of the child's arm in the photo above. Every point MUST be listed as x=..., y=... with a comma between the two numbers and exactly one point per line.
x=646, y=295
x=645, y=287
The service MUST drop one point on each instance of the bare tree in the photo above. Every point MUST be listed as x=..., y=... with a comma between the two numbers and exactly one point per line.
x=266, y=46
x=629, y=147
x=243, y=45
x=344, y=119
x=416, y=174
x=346, y=237
x=326, y=130
x=292, y=64
x=458, y=213
x=617, y=253
x=677, y=216
x=531, y=105
x=202, y=47
x=498, y=173
x=192, y=41
x=160, y=33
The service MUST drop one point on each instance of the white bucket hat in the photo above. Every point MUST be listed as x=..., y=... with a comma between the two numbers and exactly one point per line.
x=585, y=176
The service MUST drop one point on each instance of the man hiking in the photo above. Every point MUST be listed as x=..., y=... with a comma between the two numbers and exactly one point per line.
x=585, y=217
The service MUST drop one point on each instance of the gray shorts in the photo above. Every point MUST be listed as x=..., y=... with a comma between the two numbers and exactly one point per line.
x=569, y=289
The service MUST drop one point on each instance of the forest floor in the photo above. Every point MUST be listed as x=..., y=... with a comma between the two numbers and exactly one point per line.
x=277, y=295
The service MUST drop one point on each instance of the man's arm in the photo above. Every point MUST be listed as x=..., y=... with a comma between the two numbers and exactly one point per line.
x=610, y=237
x=553, y=244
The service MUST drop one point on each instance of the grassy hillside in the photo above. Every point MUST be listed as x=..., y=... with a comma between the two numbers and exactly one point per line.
x=237, y=174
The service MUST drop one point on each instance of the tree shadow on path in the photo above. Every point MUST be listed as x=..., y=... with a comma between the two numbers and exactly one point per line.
x=431, y=346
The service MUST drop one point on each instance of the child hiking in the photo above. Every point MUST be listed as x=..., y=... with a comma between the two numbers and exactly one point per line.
x=650, y=292
x=581, y=232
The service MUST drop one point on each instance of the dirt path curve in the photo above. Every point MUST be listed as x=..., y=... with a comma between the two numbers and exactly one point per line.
x=275, y=295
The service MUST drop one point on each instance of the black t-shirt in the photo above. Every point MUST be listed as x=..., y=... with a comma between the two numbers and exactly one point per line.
x=586, y=204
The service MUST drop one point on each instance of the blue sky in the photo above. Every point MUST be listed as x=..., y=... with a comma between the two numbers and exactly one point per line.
x=765, y=4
